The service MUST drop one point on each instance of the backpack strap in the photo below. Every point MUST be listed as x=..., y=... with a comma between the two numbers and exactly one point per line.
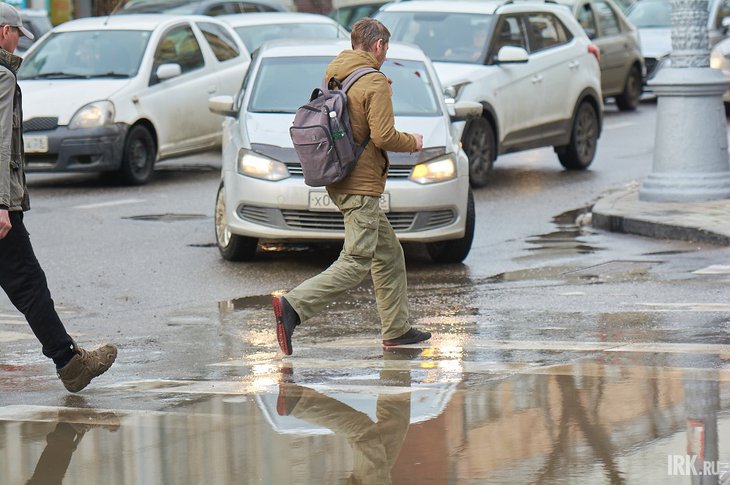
x=347, y=84
x=355, y=75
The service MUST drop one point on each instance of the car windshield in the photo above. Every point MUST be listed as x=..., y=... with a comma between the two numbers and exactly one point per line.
x=87, y=54
x=274, y=91
x=444, y=37
x=651, y=14
x=255, y=35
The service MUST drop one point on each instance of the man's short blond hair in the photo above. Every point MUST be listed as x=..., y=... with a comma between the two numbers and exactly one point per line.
x=367, y=32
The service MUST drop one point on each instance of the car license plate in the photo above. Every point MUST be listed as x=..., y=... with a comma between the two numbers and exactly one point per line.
x=35, y=144
x=320, y=201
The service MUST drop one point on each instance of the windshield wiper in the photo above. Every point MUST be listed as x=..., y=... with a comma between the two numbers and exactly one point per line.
x=272, y=110
x=116, y=75
x=57, y=75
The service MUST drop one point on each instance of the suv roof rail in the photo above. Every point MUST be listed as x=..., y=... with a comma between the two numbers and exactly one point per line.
x=512, y=2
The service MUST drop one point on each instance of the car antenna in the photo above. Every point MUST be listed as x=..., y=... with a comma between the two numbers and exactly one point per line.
x=114, y=10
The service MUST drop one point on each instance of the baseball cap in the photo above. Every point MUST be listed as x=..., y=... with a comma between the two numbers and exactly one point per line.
x=10, y=16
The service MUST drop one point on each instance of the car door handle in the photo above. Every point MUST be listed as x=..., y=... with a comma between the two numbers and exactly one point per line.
x=212, y=89
x=574, y=64
x=536, y=79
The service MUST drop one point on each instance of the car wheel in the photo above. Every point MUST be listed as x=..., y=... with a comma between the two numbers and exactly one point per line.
x=579, y=153
x=478, y=144
x=231, y=246
x=138, y=158
x=629, y=99
x=456, y=250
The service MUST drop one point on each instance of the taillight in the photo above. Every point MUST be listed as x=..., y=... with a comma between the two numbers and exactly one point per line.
x=593, y=49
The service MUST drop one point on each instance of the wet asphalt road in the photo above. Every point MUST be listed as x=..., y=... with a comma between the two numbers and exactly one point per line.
x=561, y=354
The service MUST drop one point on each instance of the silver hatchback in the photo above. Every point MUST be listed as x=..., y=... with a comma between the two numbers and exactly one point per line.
x=262, y=195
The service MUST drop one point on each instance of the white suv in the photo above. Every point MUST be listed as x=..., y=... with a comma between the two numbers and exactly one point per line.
x=529, y=64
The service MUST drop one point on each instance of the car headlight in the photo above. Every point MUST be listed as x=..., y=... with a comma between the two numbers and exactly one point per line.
x=93, y=115
x=720, y=56
x=438, y=170
x=261, y=167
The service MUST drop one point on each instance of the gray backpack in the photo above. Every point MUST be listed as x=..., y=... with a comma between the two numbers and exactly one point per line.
x=322, y=135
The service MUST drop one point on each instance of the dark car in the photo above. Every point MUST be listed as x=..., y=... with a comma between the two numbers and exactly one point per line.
x=622, y=64
x=205, y=7
x=347, y=16
x=37, y=22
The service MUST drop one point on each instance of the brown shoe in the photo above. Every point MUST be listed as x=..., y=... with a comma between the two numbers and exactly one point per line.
x=86, y=365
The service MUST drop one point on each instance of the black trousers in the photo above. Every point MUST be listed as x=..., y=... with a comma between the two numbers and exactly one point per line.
x=23, y=280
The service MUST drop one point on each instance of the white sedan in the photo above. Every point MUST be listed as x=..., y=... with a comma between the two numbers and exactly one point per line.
x=262, y=195
x=119, y=93
x=257, y=28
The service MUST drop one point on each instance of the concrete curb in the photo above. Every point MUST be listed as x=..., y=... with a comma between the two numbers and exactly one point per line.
x=622, y=211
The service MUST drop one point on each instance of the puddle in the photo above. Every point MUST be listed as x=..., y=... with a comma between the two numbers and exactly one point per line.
x=581, y=422
x=572, y=237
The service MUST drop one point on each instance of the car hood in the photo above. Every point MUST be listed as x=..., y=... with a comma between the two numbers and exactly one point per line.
x=62, y=98
x=451, y=73
x=655, y=43
x=273, y=129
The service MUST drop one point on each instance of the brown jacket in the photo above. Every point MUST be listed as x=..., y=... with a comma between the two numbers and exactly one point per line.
x=371, y=111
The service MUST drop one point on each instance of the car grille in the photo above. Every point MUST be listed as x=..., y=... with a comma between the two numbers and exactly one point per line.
x=40, y=124
x=394, y=171
x=332, y=221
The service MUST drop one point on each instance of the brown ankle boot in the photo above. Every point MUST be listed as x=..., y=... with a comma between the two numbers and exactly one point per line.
x=86, y=365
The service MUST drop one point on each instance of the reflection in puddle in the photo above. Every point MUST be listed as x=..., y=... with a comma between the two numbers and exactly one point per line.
x=572, y=237
x=584, y=422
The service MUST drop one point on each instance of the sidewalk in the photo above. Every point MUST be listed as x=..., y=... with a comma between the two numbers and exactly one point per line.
x=622, y=211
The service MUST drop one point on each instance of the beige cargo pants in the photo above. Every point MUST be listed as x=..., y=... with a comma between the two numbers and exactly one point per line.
x=370, y=246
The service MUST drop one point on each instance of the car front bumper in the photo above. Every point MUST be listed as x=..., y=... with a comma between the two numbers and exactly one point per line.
x=81, y=150
x=278, y=211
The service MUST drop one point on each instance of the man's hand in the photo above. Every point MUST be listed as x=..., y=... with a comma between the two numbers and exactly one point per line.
x=5, y=225
x=419, y=141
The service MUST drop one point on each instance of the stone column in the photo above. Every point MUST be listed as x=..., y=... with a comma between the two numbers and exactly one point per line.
x=690, y=148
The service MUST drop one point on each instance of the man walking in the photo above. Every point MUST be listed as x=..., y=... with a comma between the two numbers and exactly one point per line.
x=370, y=243
x=21, y=277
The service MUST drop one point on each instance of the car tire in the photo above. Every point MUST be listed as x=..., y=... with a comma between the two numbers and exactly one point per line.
x=456, y=250
x=138, y=157
x=231, y=246
x=479, y=146
x=629, y=99
x=579, y=153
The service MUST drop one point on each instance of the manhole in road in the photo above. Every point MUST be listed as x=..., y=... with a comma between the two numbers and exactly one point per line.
x=167, y=217
x=616, y=267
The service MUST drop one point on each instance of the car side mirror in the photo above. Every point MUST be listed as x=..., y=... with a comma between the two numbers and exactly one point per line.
x=512, y=55
x=168, y=71
x=591, y=33
x=222, y=105
x=466, y=110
